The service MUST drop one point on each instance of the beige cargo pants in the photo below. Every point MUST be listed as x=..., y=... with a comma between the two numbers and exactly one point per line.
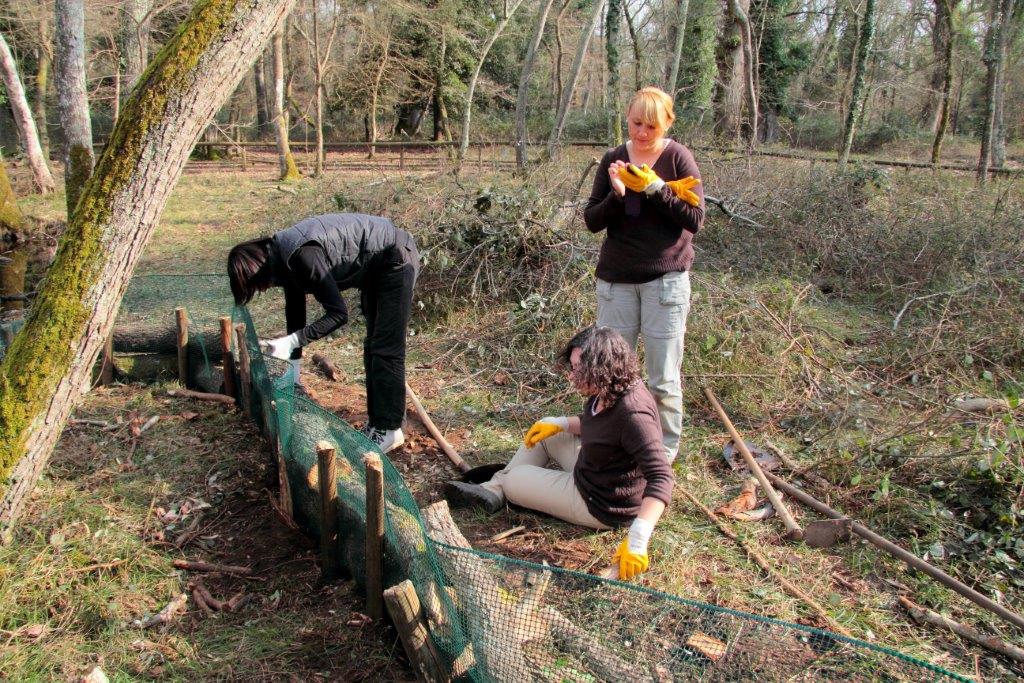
x=526, y=481
x=657, y=310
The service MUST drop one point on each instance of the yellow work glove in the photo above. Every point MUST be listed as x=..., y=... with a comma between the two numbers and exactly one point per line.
x=631, y=555
x=683, y=187
x=641, y=179
x=544, y=428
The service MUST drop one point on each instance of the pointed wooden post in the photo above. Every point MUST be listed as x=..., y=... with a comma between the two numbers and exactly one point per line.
x=374, y=535
x=181, y=322
x=244, y=370
x=227, y=357
x=284, y=486
x=327, y=479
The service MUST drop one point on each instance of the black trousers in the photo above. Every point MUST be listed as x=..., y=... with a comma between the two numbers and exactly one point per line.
x=386, y=300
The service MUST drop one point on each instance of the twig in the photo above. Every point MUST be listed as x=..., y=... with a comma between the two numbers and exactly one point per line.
x=167, y=614
x=505, y=534
x=198, y=566
x=899, y=316
x=763, y=564
x=926, y=616
x=720, y=203
x=208, y=598
x=99, y=566
x=285, y=518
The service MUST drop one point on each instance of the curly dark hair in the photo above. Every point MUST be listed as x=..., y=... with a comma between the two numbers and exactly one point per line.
x=607, y=362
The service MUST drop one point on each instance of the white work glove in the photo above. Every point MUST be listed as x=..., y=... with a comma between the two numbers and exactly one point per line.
x=282, y=347
x=640, y=535
x=543, y=428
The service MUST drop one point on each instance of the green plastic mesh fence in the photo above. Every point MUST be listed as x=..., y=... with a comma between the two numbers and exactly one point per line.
x=495, y=618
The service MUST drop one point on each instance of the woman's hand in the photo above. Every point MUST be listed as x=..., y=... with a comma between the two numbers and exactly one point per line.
x=613, y=176
x=544, y=428
x=281, y=347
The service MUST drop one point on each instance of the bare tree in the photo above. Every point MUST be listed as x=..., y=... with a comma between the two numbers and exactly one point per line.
x=467, y=110
x=41, y=177
x=736, y=68
x=135, y=20
x=262, y=110
x=320, y=59
x=867, y=32
x=72, y=102
x=48, y=365
x=522, y=95
x=638, y=57
x=613, y=23
x=289, y=171
x=992, y=57
x=44, y=59
x=574, y=75
x=944, y=10
x=677, y=32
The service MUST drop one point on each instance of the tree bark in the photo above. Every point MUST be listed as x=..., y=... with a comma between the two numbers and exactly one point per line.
x=634, y=40
x=574, y=75
x=10, y=215
x=262, y=110
x=371, y=115
x=676, y=54
x=41, y=177
x=543, y=8
x=49, y=364
x=992, y=57
x=288, y=169
x=502, y=23
x=942, y=50
x=441, y=131
x=134, y=43
x=44, y=58
x=613, y=25
x=732, y=68
x=867, y=33
x=945, y=15
x=72, y=101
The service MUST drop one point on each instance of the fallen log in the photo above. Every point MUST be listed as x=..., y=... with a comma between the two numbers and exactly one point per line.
x=926, y=616
x=201, y=396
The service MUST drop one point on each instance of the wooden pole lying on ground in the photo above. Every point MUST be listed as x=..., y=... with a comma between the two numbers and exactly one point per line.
x=374, y=535
x=452, y=454
x=793, y=530
x=404, y=607
x=107, y=364
x=901, y=554
x=227, y=356
x=926, y=616
x=181, y=322
x=327, y=478
x=201, y=396
x=244, y=370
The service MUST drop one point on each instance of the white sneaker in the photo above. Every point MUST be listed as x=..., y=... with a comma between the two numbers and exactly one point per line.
x=386, y=439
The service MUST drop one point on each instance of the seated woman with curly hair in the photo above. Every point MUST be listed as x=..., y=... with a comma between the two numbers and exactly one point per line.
x=613, y=466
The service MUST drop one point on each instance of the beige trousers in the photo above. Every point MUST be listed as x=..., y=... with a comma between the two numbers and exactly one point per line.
x=526, y=481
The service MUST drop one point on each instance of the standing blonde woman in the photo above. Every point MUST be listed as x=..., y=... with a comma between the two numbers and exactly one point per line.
x=648, y=199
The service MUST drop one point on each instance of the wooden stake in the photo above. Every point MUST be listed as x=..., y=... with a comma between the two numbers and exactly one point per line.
x=793, y=530
x=244, y=370
x=284, y=486
x=181, y=321
x=107, y=366
x=227, y=356
x=404, y=607
x=327, y=476
x=374, y=535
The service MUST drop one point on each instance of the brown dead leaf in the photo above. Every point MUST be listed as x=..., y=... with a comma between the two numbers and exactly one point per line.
x=741, y=503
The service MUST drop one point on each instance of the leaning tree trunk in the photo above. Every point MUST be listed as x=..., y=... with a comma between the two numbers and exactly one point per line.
x=678, y=27
x=612, y=29
x=47, y=367
x=289, y=171
x=859, y=72
x=464, y=140
x=524, y=82
x=41, y=177
x=134, y=43
x=72, y=101
x=574, y=76
x=10, y=214
x=944, y=12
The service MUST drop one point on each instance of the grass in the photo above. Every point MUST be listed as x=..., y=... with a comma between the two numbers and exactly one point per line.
x=795, y=356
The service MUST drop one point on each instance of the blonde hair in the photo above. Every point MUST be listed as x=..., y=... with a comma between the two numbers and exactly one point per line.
x=654, y=107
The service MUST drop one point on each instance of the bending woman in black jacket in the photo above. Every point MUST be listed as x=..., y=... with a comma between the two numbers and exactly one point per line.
x=323, y=256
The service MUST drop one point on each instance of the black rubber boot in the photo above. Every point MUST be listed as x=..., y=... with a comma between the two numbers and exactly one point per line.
x=462, y=495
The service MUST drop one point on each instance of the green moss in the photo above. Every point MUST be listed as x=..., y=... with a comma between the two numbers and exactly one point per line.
x=10, y=215
x=80, y=160
x=291, y=171
x=42, y=354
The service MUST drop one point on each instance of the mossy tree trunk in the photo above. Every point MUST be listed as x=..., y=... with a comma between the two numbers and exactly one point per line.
x=72, y=100
x=944, y=24
x=289, y=171
x=10, y=214
x=677, y=34
x=860, y=66
x=49, y=364
x=44, y=58
x=524, y=82
x=41, y=177
x=612, y=30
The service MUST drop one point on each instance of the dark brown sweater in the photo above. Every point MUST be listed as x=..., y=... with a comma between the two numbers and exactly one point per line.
x=622, y=459
x=647, y=236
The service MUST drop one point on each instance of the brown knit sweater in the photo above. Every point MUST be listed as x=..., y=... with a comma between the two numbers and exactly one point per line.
x=647, y=236
x=622, y=459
